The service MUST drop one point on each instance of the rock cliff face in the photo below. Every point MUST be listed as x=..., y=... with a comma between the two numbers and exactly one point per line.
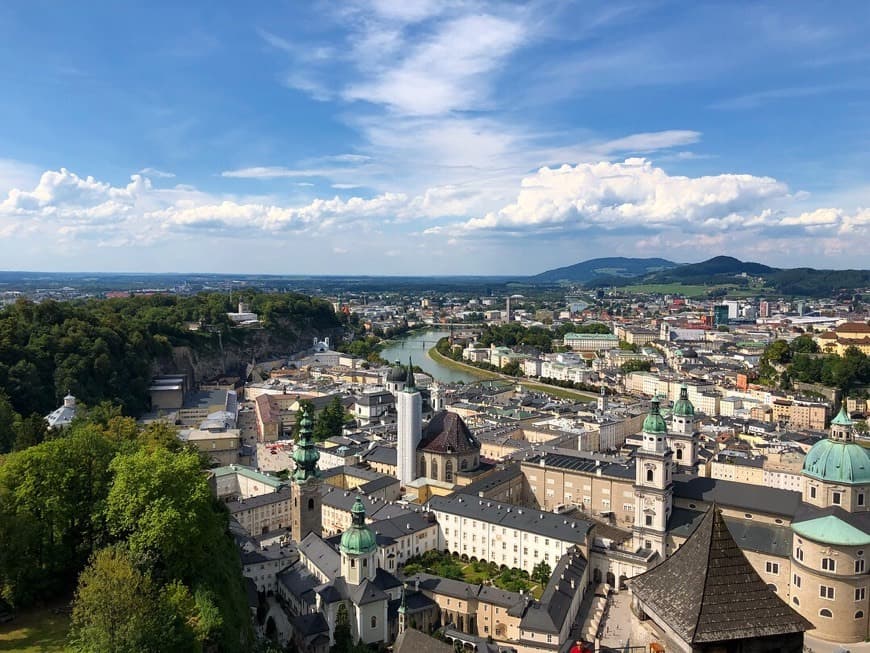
x=230, y=354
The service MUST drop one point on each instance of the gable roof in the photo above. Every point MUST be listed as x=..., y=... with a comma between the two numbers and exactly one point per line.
x=446, y=432
x=708, y=592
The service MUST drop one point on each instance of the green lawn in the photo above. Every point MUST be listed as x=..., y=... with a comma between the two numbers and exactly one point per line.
x=35, y=631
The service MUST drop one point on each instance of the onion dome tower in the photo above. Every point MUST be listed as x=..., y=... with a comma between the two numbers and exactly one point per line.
x=306, y=509
x=358, y=547
x=653, y=486
x=683, y=436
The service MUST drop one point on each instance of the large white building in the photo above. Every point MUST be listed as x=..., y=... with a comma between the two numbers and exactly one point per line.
x=505, y=534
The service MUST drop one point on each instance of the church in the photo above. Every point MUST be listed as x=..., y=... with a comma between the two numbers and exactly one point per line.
x=439, y=451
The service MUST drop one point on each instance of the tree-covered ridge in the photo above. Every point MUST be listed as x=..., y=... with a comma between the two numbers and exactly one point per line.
x=784, y=362
x=132, y=510
x=105, y=349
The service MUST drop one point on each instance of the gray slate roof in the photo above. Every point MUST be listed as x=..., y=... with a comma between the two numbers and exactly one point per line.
x=752, y=498
x=462, y=590
x=550, y=613
x=750, y=535
x=413, y=641
x=323, y=556
x=534, y=521
x=708, y=592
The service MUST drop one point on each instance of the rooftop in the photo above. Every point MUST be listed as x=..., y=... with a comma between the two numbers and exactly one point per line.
x=539, y=522
x=707, y=591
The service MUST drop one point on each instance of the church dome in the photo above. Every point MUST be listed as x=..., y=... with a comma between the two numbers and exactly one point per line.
x=654, y=422
x=838, y=462
x=683, y=407
x=359, y=538
x=447, y=432
x=397, y=374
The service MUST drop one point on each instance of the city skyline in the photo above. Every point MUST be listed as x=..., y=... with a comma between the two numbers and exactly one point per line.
x=430, y=137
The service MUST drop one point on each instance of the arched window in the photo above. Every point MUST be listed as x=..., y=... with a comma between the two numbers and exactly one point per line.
x=679, y=454
x=649, y=475
x=824, y=612
x=352, y=563
x=311, y=504
x=771, y=586
x=463, y=464
x=448, y=471
x=365, y=562
x=422, y=467
x=859, y=614
x=435, y=469
x=374, y=622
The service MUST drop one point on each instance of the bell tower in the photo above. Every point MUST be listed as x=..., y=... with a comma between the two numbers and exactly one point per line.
x=305, y=508
x=653, y=486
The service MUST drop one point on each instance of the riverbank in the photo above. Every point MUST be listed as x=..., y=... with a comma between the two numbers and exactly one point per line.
x=483, y=375
x=556, y=391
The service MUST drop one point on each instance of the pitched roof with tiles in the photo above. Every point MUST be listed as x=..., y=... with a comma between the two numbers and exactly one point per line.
x=707, y=591
x=447, y=432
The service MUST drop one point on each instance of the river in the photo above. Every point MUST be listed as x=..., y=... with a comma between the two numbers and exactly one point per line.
x=417, y=346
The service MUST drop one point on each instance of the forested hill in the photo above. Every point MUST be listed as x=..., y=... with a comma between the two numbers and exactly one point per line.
x=106, y=350
x=616, y=266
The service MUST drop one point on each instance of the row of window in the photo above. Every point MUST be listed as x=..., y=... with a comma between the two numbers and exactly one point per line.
x=837, y=497
x=829, y=564
x=827, y=592
x=826, y=613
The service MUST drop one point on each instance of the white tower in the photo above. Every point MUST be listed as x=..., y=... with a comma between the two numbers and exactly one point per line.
x=435, y=397
x=507, y=309
x=409, y=408
x=683, y=436
x=653, y=486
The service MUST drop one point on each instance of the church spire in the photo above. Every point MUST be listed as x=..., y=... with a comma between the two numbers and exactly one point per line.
x=305, y=455
x=409, y=383
x=403, y=610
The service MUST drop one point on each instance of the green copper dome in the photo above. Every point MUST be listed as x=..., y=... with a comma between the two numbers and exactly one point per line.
x=838, y=462
x=654, y=422
x=359, y=538
x=842, y=418
x=305, y=455
x=683, y=407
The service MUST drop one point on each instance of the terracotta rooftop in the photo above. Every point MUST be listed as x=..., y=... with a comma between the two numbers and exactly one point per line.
x=708, y=592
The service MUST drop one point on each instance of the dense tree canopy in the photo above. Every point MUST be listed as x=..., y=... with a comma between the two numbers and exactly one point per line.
x=133, y=508
x=105, y=350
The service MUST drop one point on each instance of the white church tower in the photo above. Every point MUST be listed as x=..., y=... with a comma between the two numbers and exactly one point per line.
x=683, y=435
x=409, y=408
x=653, y=486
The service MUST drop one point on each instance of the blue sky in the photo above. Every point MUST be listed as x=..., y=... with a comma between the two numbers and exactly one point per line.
x=431, y=137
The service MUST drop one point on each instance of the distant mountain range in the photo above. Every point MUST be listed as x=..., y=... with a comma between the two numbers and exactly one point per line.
x=604, y=272
x=617, y=266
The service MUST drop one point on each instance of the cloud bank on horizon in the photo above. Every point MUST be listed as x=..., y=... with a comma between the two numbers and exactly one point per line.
x=438, y=137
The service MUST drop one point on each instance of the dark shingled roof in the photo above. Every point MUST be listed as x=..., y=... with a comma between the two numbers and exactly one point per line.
x=708, y=592
x=446, y=432
x=413, y=641
x=752, y=498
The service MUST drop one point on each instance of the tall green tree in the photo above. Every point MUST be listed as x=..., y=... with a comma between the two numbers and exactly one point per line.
x=161, y=504
x=330, y=420
x=119, y=608
x=541, y=572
